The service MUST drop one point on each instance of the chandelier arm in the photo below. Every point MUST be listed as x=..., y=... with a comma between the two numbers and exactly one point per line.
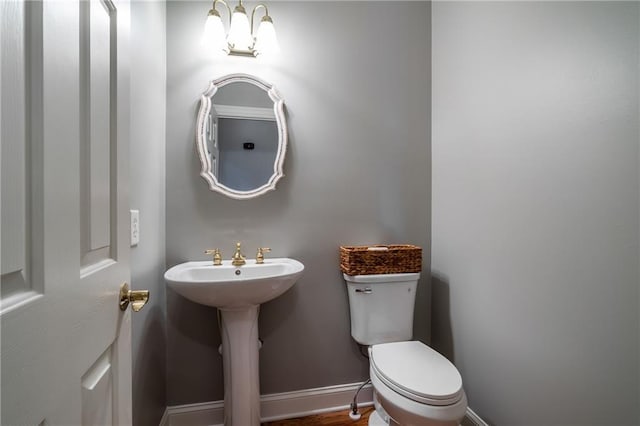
x=253, y=13
x=226, y=5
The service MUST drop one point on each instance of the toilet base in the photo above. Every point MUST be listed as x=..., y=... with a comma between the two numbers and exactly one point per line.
x=379, y=417
x=376, y=420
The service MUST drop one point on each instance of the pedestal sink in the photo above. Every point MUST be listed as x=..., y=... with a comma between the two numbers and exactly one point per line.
x=237, y=291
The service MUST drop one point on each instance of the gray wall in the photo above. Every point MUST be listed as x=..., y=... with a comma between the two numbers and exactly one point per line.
x=357, y=172
x=535, y=208
x=148, y=112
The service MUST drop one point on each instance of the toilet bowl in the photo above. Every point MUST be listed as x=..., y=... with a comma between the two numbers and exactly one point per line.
x=416, y=385
x=413, y=384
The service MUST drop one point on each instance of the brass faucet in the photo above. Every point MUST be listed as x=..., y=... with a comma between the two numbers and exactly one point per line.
x=238, y=259
x=217, y=257
x=260, y=254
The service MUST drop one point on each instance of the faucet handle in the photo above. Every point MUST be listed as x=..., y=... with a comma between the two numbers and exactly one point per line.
x=217, y=256
x=238, y=258
x=260, y=254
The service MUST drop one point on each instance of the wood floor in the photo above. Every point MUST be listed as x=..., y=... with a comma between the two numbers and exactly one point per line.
x=339, y=418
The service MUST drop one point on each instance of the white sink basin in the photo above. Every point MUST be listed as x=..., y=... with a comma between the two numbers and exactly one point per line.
x=228, y=286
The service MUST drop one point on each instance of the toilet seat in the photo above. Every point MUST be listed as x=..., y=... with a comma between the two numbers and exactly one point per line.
x=407, y=412
x=417, y=372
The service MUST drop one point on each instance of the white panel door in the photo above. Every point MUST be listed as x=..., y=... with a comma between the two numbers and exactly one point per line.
x=65, y=344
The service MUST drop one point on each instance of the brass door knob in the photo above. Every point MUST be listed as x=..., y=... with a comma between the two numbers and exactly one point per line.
x=137, y=298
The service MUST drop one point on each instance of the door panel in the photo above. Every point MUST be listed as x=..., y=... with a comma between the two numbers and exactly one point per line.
x=97, y=391
x=96, y=77
x=21, y=121
x=66, y=346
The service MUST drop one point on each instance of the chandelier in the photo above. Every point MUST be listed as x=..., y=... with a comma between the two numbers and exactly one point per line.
x=240, y=39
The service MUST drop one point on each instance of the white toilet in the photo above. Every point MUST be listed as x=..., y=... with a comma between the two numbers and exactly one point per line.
x=414, y=385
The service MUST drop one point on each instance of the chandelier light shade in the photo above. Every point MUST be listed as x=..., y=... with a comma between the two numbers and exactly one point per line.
x=240, y=39
x=266, y=40
x=214, y=32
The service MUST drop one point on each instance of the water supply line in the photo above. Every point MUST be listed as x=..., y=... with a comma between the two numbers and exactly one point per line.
x=353, y=408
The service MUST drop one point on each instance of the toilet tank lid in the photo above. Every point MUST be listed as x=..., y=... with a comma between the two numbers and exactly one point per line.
x=417, y=370
x=381, y=278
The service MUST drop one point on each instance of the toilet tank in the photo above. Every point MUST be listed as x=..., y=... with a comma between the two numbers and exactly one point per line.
x=381, y=307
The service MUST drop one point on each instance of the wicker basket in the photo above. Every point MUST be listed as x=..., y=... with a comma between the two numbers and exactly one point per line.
x=380, y=259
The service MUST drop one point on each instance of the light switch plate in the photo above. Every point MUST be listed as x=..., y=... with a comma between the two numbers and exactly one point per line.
x=135, y=227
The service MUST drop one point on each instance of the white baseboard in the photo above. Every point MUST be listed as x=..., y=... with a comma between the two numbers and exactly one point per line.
x=471, y=417
x=200, y=414
x=277, y=406
x=285, y=405
x=289, y=405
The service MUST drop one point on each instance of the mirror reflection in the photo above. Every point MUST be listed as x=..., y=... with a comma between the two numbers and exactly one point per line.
x=244, y=140
x=241, y=136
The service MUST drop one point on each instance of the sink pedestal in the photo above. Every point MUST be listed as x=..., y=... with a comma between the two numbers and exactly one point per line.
x=240, y=365
x=237, y=292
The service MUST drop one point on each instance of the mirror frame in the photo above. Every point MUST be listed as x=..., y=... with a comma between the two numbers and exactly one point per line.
x=206, y=103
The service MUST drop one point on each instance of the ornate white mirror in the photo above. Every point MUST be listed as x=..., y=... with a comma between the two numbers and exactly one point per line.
x=241, y=136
